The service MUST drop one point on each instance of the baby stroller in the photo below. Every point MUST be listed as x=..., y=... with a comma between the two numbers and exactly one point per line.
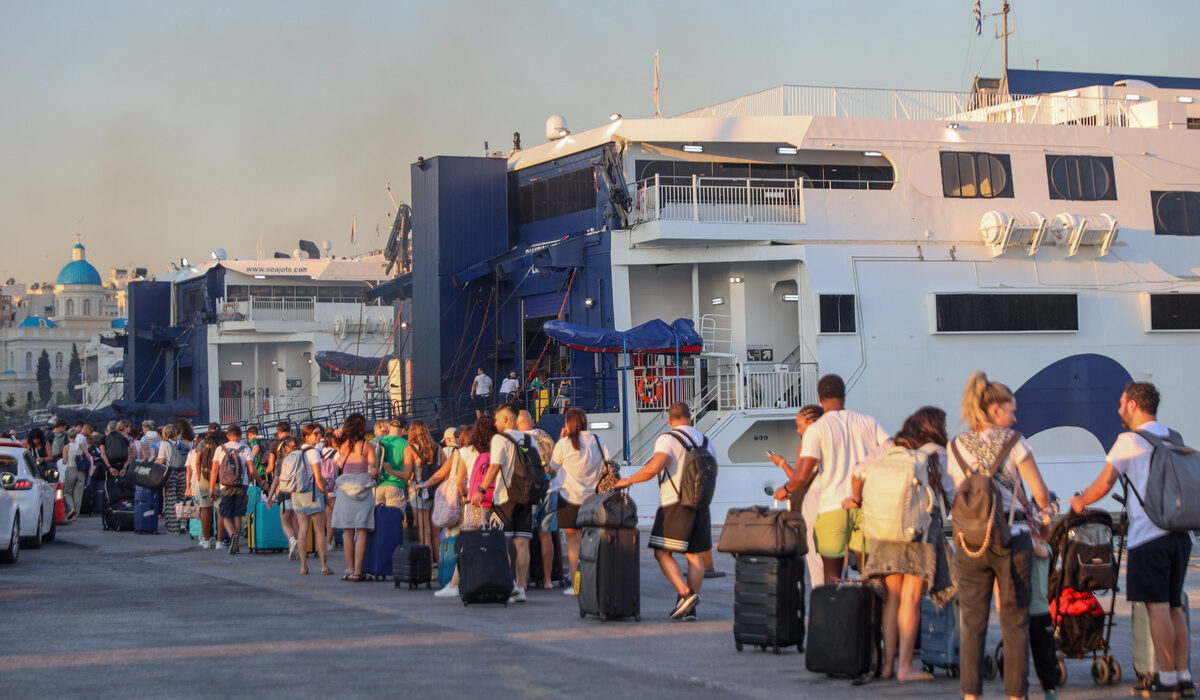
x=1082, y=561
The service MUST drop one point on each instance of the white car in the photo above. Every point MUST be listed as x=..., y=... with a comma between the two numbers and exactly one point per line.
x=10, y=521
x=31, y=493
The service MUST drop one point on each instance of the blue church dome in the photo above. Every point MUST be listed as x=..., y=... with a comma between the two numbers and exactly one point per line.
x=79, y=271
x=38, y=322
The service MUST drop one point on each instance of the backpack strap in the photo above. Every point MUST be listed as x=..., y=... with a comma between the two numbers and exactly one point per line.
x=688, y=445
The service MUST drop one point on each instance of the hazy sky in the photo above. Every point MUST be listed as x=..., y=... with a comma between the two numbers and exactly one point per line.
x=165, y=129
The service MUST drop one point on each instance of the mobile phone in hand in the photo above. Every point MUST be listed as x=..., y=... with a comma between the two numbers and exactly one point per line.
x=770, y=454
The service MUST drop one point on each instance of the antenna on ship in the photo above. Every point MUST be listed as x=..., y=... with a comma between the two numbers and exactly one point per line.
x=657, y=113
x=1008, y=31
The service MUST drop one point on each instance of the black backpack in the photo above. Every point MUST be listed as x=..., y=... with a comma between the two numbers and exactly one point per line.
x=698, y=473
x=529, y=483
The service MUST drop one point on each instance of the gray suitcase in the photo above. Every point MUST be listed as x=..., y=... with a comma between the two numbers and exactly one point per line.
x=1144, y=664
x=609, y=573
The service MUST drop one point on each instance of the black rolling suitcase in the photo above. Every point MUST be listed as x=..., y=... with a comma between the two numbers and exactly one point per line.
x=412, y=565
x=768, y=602
x=118, y=516
x=484, y=572
x=609, y=573
x=843, y=630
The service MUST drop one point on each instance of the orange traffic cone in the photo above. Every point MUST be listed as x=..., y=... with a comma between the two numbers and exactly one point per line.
x=60, y=506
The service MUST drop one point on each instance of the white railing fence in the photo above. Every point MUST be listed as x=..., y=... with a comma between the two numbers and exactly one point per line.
x=868, y=103
x=269, y=309
x=721, y=200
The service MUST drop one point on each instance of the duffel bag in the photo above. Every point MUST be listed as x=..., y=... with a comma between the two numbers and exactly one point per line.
x=763, y=531
x=609, y=509
x=148, y=474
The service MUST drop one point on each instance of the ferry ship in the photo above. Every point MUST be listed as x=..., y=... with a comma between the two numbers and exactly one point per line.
x=1044, y=227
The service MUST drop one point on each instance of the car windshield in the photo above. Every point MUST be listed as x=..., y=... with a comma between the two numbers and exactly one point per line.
x=8, y=464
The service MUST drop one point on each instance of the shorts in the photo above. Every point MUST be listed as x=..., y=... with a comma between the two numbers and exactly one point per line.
x=479, y=402
x=681, y=529
x=390, y=495
x=546, y=513
x=833, y=530
x=515, y=518
x=568, y=513
x=233, y=502
x=1156, y=570
x=204, y=497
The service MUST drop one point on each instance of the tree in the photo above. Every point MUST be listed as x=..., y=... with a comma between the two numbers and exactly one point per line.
x=10, y=401
x=74, y=369
x=45, y=387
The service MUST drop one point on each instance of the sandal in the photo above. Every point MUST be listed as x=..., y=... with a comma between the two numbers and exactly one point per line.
x=347, y=576
x=921, y=676
x=327, y=571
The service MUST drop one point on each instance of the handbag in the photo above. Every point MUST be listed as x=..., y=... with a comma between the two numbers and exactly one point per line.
x=608, y=509
x=610, y=471
x=188, y=510
x=447, y=505
x=763, y=531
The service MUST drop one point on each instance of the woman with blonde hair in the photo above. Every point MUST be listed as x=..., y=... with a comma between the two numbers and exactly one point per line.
x=175, y=487
x=309, y=506
x=422, y=459
x=990, y=447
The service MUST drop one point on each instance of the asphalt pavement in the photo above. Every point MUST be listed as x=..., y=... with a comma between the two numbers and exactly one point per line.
x=105, y=614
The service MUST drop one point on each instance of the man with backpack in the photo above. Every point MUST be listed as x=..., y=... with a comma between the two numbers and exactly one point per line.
x=1158, y=553
x=834, y=443
x=231, y=471
x=517, y=462
x=685, y=463
x=287, y=517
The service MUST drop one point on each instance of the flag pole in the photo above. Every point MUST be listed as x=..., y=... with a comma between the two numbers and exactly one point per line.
x=657, y=112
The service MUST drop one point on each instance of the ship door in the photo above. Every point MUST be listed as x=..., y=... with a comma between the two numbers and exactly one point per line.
x=539, y=357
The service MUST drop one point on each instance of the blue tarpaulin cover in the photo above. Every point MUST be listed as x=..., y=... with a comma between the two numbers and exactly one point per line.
x=346, y=363
x=651, y=338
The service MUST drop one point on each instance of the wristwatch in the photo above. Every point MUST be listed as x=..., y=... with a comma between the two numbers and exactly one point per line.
x=481, y=490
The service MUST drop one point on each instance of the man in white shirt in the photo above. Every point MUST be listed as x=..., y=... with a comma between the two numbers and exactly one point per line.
x=1158, y=559
x=509, y=388
x=515, y=518
x=677, y=528
x=834, y=443
x=233, y=496
x=481, y=390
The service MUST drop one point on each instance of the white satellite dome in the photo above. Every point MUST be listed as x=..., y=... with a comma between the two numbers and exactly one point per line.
x=556, y=127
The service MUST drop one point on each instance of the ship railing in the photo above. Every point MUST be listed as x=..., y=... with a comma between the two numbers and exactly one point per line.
x=870, y=103
x=716, y=331
x=721, y=200
x=268, y=309
x=777, y=385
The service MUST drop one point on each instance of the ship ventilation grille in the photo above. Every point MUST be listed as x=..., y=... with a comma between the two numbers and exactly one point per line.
x=1097, y=230
x=1001, y=231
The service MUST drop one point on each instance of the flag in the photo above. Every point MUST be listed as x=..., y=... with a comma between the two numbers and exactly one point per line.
x=657, y=113
x=353, y=225
x=978, y=19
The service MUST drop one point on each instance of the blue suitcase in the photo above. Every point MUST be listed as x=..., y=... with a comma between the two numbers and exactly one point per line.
x=145, y=510
x=383, y=540
x=265, y=529
x=446, y=561
x=940, y=636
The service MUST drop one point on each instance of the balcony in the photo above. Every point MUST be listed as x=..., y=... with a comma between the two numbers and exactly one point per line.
x=720, y=200
x=257, y=309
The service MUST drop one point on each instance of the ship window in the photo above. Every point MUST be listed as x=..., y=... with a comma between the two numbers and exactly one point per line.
x=974, y=175
x=1193, y=122
x=837, y=313
x=557, y=196
x=1175, y=312
x=237, y=292
x=1176, y=213
x=1081, y=178
x=330, y=375
x=1000, y=313
x=816, y=175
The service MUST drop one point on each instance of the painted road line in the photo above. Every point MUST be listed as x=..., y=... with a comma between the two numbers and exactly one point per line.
x=626, y=631
x=18, y=662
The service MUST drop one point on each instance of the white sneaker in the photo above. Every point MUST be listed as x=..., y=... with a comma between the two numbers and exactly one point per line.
x=293, y=549
x=517, y=596
x=568, y=591
x=447, y=591
x=205, y=544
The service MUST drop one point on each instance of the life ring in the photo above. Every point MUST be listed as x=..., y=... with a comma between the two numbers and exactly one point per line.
x=649, y=389
x=267, y=405
x=229, y=310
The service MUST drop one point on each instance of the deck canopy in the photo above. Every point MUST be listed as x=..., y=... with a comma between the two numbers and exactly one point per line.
x=347, y=363
x=651, y=338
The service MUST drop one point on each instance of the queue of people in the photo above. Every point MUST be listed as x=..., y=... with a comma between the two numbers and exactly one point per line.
x=471, y=473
